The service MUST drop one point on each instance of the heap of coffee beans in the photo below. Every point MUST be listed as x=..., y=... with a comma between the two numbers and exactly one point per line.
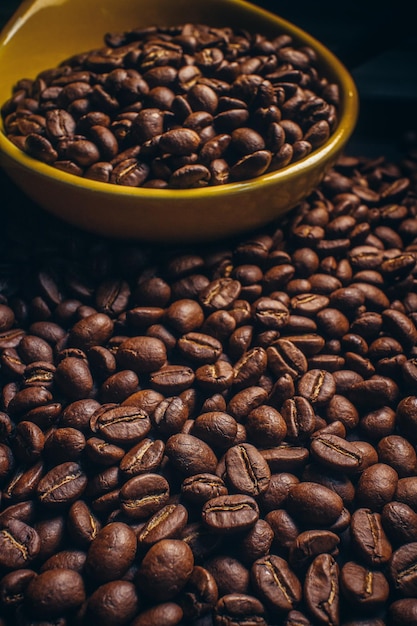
x=215, y=436
x=176, y=107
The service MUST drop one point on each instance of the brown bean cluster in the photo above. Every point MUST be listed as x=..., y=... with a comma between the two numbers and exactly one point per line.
x=215, y=436
x=177, y=107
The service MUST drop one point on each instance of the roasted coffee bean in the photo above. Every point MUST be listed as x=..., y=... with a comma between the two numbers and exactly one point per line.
x=314, y=503
x=399, y=453
x=376, y=486
x=399, y=521
x=335, y=452
x=13, y=586
x=321, y=589
x=402, y=569
x=285, y=358
x=285, y=457
x=276, y=583
x=144, y=495
x=230, y=513
x=230, y=574
x=91, y=331
x=202, y=487
x=115, y=602
x=144, y=457
x=199, y=347
x=166, y=569
x=190, y=455
x=284, y=527
x=167, y=523
x=403, y=612
x=317, y=386
x=369, y=538
x=266, y=426
x=120, y=425
x=164, y=614
x=20, y=544
x=364, y=588
x=200, y=593
x=141, y=354
x=235, y=608
x=66, y=559
x=277, y=492
x=310, y=544
x=257, y=541
x=246, y=470
x=54, y=592
x=23, y=483
x=83, y=525
x=74, y=379
x=51, y=533
x=62, y=485
x=170, y=415
x=111, y=553
x=217, y=428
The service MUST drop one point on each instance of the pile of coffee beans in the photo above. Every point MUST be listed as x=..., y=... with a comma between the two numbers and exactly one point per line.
x=178, y=107
x=215, y=436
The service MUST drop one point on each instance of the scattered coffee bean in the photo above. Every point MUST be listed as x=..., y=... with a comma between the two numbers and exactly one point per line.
x=212, y=435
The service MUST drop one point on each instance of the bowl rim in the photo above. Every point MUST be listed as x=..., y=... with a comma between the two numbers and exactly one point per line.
x=334, y=69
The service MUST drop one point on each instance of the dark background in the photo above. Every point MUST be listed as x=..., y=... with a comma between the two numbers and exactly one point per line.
x=377, y=41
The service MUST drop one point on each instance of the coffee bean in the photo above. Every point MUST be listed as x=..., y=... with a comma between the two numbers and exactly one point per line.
x=144, y=457
x=321, y=588
x=144, y=495
x=115, y=602
x=317, y=386
x=216, y=428
x=54, y=592
x=314, y=503
x=335, y=453
x=376, y=486
x=363, y=587
x=402, y=569
x=202, y=487
x=166, y=569
x=369, y=538
x=240, y=608
x=190, y=455
x=230, y=513
x=62, y=485
x=402, y=611
x=13, y=587
x=399, y=521
x=141, y=354
x=83, y=525
x=20, y=544
x=66, y=559
x=111, y=553
x=310, y=544
x=121, y=425
x=276, y=583
x=246, y=470
x=200, y=594
x=91, y=331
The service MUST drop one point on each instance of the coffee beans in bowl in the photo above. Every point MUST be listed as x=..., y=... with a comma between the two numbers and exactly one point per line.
x=193, y=129
x=183, y=107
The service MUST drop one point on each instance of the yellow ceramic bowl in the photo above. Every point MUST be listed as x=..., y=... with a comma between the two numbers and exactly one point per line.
x=44, y=32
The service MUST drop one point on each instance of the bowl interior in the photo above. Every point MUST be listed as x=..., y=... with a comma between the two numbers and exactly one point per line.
x=44, y=32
